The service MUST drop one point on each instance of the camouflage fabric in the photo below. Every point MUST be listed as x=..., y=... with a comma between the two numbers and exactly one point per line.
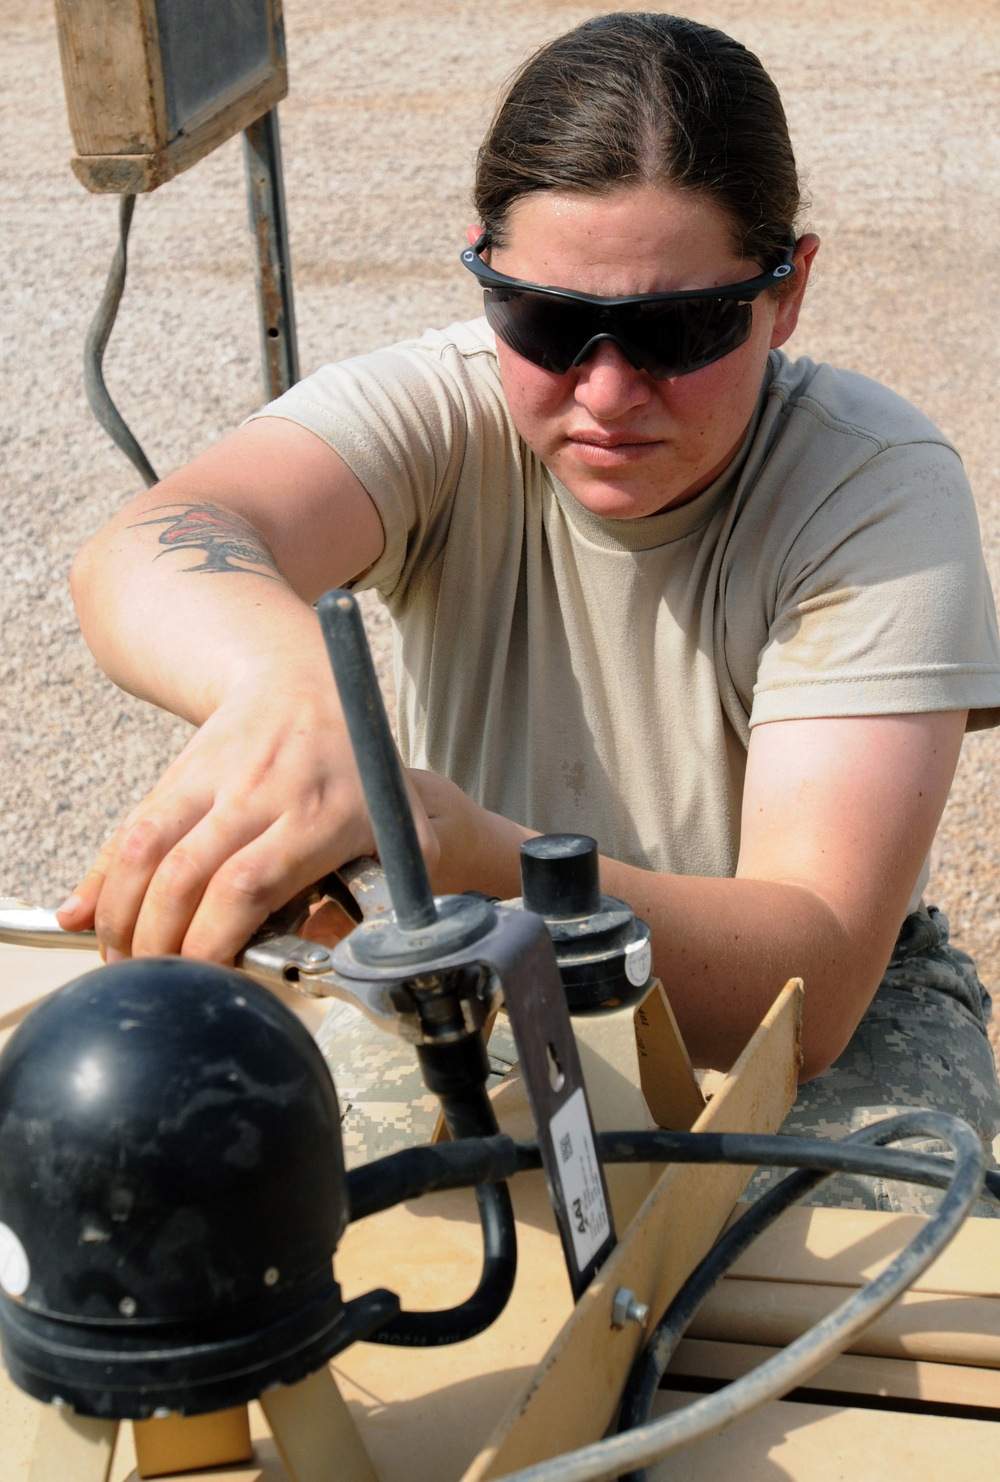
x=922, y=1043
x=384, y=1104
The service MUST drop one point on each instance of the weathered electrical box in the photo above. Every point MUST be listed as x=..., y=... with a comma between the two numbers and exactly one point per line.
x=154, y=85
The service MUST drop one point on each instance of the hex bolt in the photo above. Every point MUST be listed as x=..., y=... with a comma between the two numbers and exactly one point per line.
x=626, y=1307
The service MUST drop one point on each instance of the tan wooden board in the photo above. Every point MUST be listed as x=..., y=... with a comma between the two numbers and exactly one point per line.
x=108, y=112
x=116, y=101
x=19, y=1418
x=69, y=1446
x=180, y=1443
x=920, y=1325
x=29, y=974
x=134, y=174
x=315, y=1432
x=571, y=1397
x=609, y=1060
x=846, y=1247
x=850, y=1374
x=427, y=1412
x=792, y=1442
x=674, y=1098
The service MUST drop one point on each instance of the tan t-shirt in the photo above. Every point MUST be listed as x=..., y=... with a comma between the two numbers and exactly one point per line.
x=579, y=673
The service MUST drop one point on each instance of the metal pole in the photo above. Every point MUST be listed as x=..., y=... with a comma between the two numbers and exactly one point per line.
x=377, y=760
x=269, y=226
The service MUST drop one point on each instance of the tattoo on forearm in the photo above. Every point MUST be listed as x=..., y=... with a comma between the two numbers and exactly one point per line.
x=224, y=538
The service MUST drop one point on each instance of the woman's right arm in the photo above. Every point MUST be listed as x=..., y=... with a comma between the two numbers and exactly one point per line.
x=197, y=596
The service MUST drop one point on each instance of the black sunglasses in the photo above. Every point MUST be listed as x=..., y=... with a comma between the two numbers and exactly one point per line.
x=663, y=334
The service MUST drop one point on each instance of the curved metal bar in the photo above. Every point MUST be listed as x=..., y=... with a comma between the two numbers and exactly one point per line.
x=22, y=925
x=98, y=335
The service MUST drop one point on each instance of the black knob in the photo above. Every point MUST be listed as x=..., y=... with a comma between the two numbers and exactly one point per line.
x=560, y=876
x=602, y=948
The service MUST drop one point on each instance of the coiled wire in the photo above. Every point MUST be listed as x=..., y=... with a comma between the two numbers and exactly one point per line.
x=624, y=1454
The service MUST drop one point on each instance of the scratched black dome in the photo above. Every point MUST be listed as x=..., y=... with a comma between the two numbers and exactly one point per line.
x=170, y=1158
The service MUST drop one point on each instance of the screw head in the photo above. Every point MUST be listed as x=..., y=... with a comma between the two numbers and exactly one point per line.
x=626, y=1308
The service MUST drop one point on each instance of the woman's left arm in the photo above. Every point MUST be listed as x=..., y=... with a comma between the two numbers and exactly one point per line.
x=838, y=817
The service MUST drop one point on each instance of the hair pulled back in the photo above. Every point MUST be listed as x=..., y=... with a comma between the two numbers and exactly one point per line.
x=639, y=99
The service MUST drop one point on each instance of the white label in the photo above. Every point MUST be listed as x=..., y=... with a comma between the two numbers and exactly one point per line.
x=15, y=1273
x=638, y=961
x=580, y=1177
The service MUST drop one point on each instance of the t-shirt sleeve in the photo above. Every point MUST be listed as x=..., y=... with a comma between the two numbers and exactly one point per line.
x=883, y=603
x=402, y=419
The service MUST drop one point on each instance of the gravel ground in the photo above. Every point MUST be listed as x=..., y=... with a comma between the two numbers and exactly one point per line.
x=893, y=111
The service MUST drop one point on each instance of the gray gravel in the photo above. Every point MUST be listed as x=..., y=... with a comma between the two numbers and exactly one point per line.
x=893, y=110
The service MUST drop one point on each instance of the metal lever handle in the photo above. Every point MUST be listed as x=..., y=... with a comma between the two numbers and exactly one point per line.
x=22, y=925
x=377, y=761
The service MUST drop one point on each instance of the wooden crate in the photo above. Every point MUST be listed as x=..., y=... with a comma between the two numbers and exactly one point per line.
x=154, y=85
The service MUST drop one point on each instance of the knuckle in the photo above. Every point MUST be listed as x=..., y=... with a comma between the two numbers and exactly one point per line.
x=141, y=843
x=178, y=875
x=245, y=884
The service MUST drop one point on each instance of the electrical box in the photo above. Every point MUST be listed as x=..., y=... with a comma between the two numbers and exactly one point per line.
x=154, y=85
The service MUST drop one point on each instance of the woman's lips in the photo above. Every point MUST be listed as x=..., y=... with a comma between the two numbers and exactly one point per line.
x=611, y=451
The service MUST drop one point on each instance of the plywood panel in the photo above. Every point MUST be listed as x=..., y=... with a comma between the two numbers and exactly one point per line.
x=27, y=974
x=920, y=1325
x=847, y=1247
x=901, y=1379
x=791, y=1442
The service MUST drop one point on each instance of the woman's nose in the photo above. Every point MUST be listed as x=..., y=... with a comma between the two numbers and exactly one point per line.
x=608, y=384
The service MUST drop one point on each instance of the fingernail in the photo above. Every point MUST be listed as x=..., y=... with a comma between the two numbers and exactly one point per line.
x=71, y=904
x=112, y=955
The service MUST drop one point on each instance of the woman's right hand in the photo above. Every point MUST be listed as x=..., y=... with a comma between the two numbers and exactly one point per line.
x=262, y=802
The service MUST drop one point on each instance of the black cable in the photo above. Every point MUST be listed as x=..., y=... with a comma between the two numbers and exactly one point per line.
x=412, y=1172
x=480, y=1161
x=458, y=1165
x=649, y=1368
x=98, y=335
x=792, y=1366
x=468, y=1114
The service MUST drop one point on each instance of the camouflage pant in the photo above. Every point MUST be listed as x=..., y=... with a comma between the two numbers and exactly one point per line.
x=922, y=1043
x=384, y=1104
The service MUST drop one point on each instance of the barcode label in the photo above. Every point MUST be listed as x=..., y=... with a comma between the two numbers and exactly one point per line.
x=580, y=1178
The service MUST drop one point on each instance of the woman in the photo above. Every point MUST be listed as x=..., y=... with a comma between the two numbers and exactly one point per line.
x=651, y=581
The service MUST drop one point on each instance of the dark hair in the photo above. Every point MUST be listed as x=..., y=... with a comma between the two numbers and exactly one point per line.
x=639, y=99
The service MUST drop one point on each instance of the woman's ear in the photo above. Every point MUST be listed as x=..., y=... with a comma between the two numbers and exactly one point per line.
x=473, y=233
x=789, y=304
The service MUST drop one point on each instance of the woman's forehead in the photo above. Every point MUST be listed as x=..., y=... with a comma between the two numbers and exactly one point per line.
x=616, y=241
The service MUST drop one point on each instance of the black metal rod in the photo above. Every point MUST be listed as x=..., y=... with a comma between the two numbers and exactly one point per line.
x=269, y=227
x=377, y=760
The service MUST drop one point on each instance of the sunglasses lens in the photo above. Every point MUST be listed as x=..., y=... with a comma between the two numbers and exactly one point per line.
x=547, y=331
x=676, y=339
x=664, y=339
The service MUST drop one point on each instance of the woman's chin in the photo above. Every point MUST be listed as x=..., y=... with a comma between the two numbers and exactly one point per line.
x=623, y=498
